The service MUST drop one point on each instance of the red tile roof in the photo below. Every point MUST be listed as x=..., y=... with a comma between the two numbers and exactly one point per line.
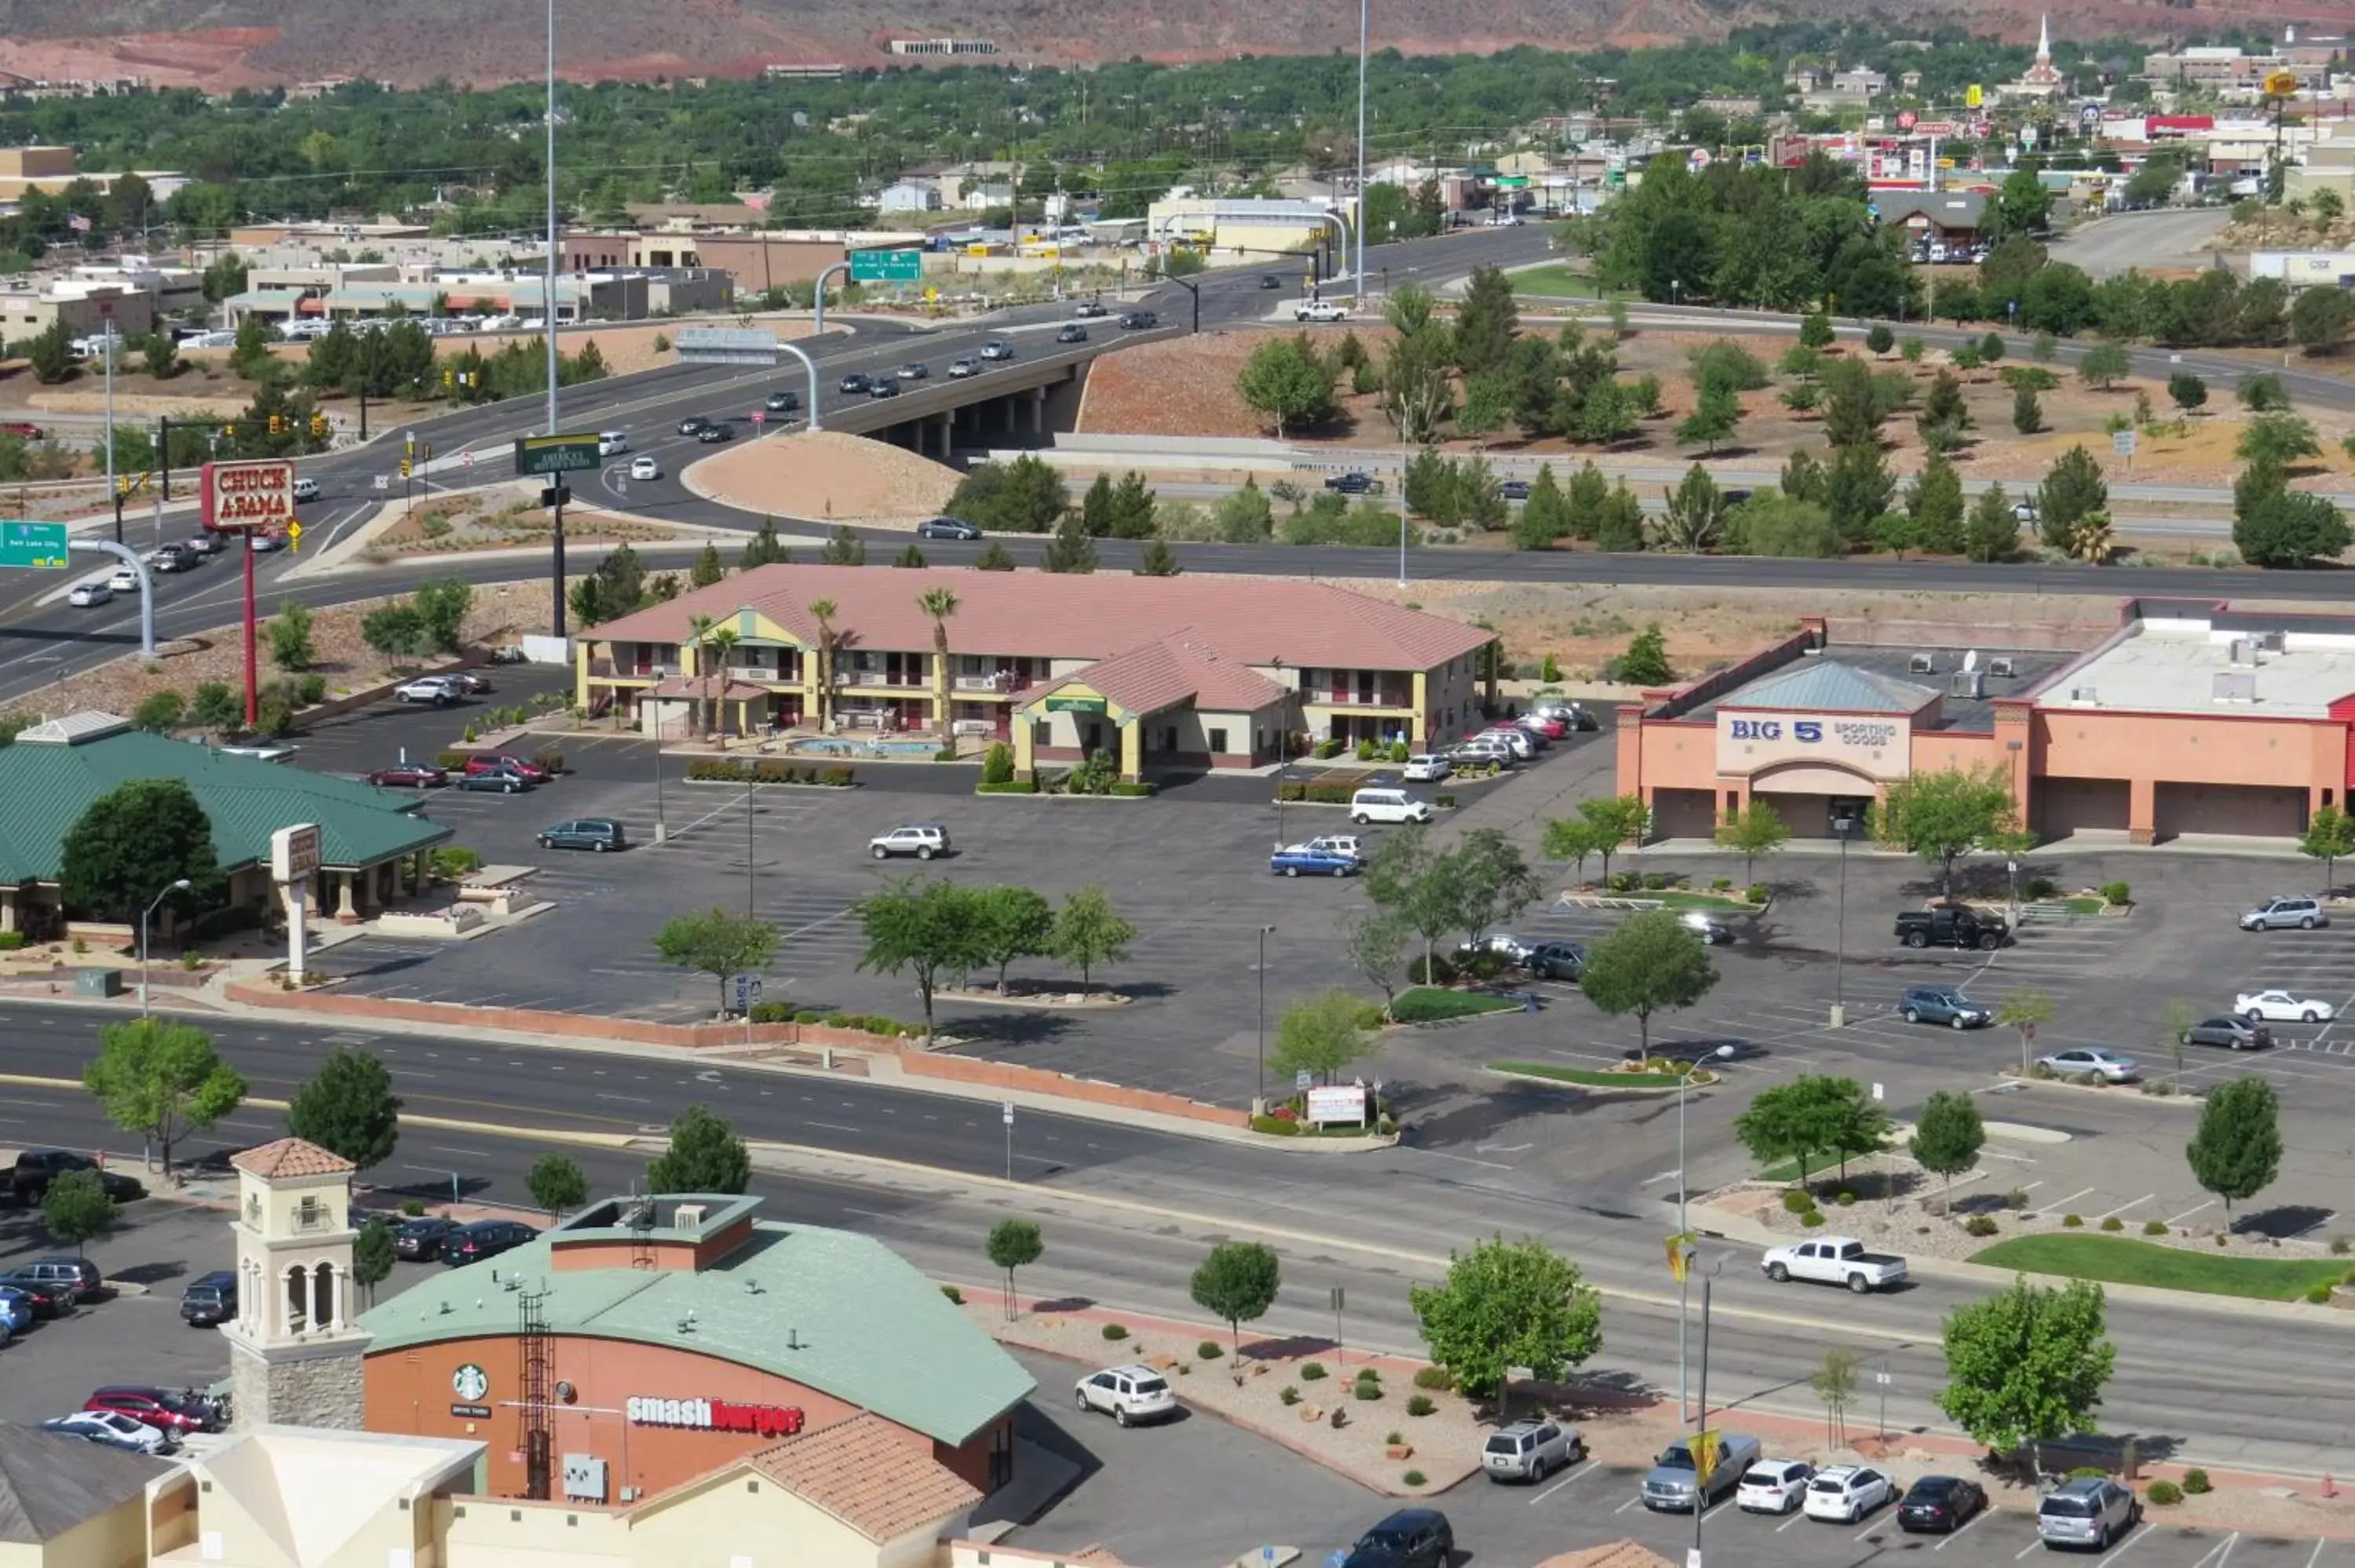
x=1251, y=621
x=870, y=1475
x=291, y=1157
x=1156, y=675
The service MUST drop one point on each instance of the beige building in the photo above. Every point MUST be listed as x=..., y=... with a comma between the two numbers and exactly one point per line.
x=85, y=308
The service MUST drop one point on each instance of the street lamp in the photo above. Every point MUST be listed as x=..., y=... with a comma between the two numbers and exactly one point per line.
x=1259, y=1087
x=144, y=916
x=1283, y=748
x=1359, y=285
x=1844, y=827
x=1701, y=1416
x=1684, y=1082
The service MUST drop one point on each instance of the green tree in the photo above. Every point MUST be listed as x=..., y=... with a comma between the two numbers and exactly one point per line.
x=162, y=1081
x=1853, y=409
x=1131, y=511
x=1089, y=933
x=707, y=569
x=1319, y=1035
x=1545, y=515
x=1012, y=1245
x=2262, y=394
x=1879, y=339
x=1237, y=1284
x=160, y=712
x=1942, y=814
x=348, y=1108
x=1509, y=1305
x=1376, y=945
x=2072, y=491
x=1858, y=488
x=842, y=548
x=1492, y=884
x=2319, y=319
x=1243, y=515
x=927, y=927
x=1716, y=415
x=1993, y=532
x=717, y=944
x=1694, y=518
x=1947, y=1136
x=2021, y=205
x=1772, y=522
x=2330, y=838
x=1010, y=923
x=441, y=609
x=132, y=843
x=1157, y=560
x=1410, y=882
x=763, y=549
x=1025, y=497
x=2027, y=411
x=1069, y=548
x=373, y=1254
x=1936, y=504
x=2277, y=437
x=2188, y=391
x=214, y=706
x=1585, y=498
x=2024, y=1009
x=290, y=638
x=1601, y=826
x=51, y=354
x=2104, y=366
x=2027, y=1365
x=2237, y=1152
x=1646, y=660
x=1816, y=331
x=1757, y=828
x=1801, y=1122
x=1485, y=320
x=704, y=1156
x=76, y=1211
x=1289, y=382
x=1095, y=507
x=556, y=1183
x=2292, y=528
x=1649, y=962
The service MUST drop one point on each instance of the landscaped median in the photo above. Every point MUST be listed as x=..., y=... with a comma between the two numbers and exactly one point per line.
x=2117, y=1260
x=1657, y=1074
x=1435, y=1004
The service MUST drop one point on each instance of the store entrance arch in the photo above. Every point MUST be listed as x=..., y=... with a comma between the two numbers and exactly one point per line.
x=1812, y=797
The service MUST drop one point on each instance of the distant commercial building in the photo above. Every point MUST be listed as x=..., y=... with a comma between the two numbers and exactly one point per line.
x=942, y=47
x=908, y=196
x=1244, y=226
x=85, y=308
x=51, y=170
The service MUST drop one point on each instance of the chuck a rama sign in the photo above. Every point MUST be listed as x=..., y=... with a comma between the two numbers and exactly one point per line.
x=1872, y=745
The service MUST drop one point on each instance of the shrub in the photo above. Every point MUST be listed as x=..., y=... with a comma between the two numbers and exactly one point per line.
x=2340, y=1245
x=1327, y=749
x=1209, y=1351
x=2222, y=1240
x=2154, y=1227
x=453, y=760
x=1282, y=1127
x=412, y=1207
x=2321, y=1294
x=1310, y=1372
x=1114, y=1331
x=955, y=1296
x=1433, y=1377
x=1007, y=786
x=1366, y=1390
x=1290, y=1395
x=1797, y=1201
x=2195, y=1482
x=1370, y=1375
x=2164, y=1494
x=2112, y=1223
x=1756, y=892
x=1414, y=1478
x=11, y=940
x=1979, y=1225
x=2072, y=1222
x=1420, y=1404
x=1443, y=801
x=2041, y=887
x=1720, y=883
x=1812, y=1219
x=1846, y=1199
x=2116, y=893
x=2016, y=1199
x=2088, y=1473
x=945, y=754
x=2158, y=1089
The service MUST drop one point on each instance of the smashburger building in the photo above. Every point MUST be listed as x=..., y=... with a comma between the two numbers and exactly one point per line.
x=647, y=1341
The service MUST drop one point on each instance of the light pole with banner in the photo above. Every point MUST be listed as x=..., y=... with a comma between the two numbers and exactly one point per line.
x=294, y=861
x=1259, y=1083
x=1684, y=1230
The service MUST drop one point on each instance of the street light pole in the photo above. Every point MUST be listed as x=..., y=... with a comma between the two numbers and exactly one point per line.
x=1844, y=829
x=1259, y=1087
x=144, y=916
x=1359, y=225
x=547, y=320
x=1684, y=1082
x=1700, y=1417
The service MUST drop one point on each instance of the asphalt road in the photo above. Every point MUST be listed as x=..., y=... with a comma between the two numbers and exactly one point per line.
x=2165, y=236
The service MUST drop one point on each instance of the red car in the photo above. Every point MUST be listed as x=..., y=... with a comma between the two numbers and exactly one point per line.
x=19, y=427
x=410, y=776
x=501, y=762
x=1551, y=728
x=164, y=1411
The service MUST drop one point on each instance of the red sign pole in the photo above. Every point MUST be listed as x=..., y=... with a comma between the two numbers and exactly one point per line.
x=253, y=704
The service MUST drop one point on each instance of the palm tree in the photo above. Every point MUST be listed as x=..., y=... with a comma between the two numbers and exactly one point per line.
x=940, y=604
x=822, y=611
x=715, y=684
x=698, y=635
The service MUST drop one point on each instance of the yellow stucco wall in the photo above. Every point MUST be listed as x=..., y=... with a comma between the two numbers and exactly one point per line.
x=733, y=1519
x=115, y=1539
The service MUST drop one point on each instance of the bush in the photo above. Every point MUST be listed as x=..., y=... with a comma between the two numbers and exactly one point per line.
x=955, y=1296
x=945, y=754
x=1420, y=1404
x=2223, y=1240
x=1134, y=787
x=2154, y=1227
x=1414, y=1478
x=2163, y=1494
x=1433, y=1377
x=2072, y=1222
x=2088, y=1473
x=1797, y=1201
x=1114, y=1331
x=1979, y=1225
x=412, y=1207
x=2041, y=887
x=1369, y=1374
x=2339, y=1247
x=2195, y=1482
x=1366, y=1390
x=1006, y=787
x=2112, y=1223
x=11, y=940
x=1290, y=1395
x=1812, y=1219
x=2321, y=1294
x=1209, y=1351
x=1327, y=749
x=1443, y=801
x=2116, y=893
x=1756, y=892
x=1442, y=971
x=1282, y=1127
x=2016, y=1199
x=1311, y=1372
x=1720, y=883
x=1845, y=1198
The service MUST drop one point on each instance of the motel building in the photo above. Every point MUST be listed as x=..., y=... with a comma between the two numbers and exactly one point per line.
x=2191, y=717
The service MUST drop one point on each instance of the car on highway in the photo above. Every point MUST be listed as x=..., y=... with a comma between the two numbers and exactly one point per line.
x=2091, y=1511
x=1319, y=311
x=483, y=1239
x=1138, y=320
x=204, y=544
x=781, y=402
x=31, y=432
x=172, y=557
x=1942, y=1004
x=2278, y=914
x=645, y=467
x=599, y=834
x=997, y=348
x=880, y=388
x=2283, y=1007
x=692, y=425
x=961, y=368
x=1092, y=308
x=91, y=594
x=852, y=384
x=2230, y=1033
x=914, y=370
x=946, y=528
x=1353, y=482
x=1942, y=1503
x=435, y=691
x=410, y=776
x=922, y=839
x=420, y=1239
x=1773, y=1486
x=1530, y=1450
x=263, y=541
x=1071, y=332
x=112, y=1429
x=2091, y=1062
x=484, y=762
x=1425, y=768
x=613, y=443
x=1845, y=1493
x=1556, y=961
x=1514, y=490
x=210, y=1299
x=1834, y=1260
x=306, y=489
x=712, y=434
x=1411, y=1538
x=1302, y=860
x=1270, y=280
x=1128, y=1394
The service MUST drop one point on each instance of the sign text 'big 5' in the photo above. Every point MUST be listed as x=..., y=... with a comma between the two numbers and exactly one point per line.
x=238, y=496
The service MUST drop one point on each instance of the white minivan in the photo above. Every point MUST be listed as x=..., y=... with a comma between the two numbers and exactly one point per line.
x=612, y=443
x=1387, y=806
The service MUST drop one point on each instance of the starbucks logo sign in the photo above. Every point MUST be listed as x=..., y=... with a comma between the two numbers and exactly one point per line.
x=470, y=1382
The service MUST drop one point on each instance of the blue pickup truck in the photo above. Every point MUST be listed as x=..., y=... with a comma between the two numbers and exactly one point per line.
x=1311, y=860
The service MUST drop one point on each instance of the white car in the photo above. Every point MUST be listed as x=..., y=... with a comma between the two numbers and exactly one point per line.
x=261, y=541
x=1350, y=844
x=1517, y=740
x=1772, y=1486
x=1425, y=768
x=961, y=368
x=2281, y=1007
x=922, y=839
x=645, y=467
x=306, y=489
x=204, y=544
x=2091, y=1060
x=1845, y=1493
x=438, y=691
x=1128, y=1394
x=90, y=595
x=997, y=348
x=1319, y=311
x=124, y=579
x=111, y=1427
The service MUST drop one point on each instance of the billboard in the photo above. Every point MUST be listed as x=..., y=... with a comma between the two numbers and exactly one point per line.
x=241, y=497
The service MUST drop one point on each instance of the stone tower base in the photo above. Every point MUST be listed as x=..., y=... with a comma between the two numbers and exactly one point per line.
x=316, y=1384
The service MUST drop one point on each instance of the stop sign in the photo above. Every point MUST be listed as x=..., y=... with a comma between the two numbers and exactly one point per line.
x=760, y=417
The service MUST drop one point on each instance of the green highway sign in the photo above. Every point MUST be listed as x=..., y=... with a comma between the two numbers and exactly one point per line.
x=41, y=544
x=554, y=454
x=887, y=266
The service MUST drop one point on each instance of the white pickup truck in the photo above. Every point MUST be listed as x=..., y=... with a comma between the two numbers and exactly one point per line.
x=1834, y=1260
x=1319, y=311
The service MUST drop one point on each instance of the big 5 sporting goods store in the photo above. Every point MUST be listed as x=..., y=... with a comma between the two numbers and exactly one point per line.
x=647, y=1341
x=2188, y=717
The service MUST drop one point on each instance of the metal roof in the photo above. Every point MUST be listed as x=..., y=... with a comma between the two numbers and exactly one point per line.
x=1825, y=685
x=841, y=1313
x=49, y=1484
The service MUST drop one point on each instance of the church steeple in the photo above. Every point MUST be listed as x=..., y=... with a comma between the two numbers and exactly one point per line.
x=2044, y=40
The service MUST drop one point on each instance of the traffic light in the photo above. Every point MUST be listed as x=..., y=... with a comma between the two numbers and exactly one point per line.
x=228, y=432
x=404, y=468
x=123, y=484
x=319, y=427
x=277, y=424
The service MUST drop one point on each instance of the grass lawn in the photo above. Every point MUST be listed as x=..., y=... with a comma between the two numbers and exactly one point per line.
x=1592, y=1079
x=1555, y=280
x=2119, y=1261
x=2085, y=905
x=1430, y=1004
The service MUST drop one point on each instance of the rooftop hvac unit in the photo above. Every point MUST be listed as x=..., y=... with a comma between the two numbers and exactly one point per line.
x=2085, y=695
x=1971, y=660
x=2000, y=665
x=2233, y=687
x=2271, y=641
x=2243, y=652
x=1923, y=664
x=1967, y=684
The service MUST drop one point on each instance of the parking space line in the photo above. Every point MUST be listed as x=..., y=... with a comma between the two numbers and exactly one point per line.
x=1867, y=1530
x=1974, y=1524
x=2189, y=1212
x=2063, y=1204
x=2129, y=1203
x=2148, y=1525
x=1624, y=1507
x=2026, y=1550
x=1574, y=1474
x=2220, y=1553
x=1797, y=1516
x=2316, y=1554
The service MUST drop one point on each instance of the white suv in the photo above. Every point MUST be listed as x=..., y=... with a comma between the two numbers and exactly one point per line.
x=1128, y=1394
x=1845, y=1493
x=922, y=839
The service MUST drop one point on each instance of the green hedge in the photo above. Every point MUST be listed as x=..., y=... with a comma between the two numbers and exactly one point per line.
x=768, y=770
x=1122, y=787
x=1426, y=1005
x=875, y=1023
x=1006, y=787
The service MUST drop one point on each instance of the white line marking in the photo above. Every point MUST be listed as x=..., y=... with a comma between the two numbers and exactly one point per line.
x=2315, y=1554
x=1624, y=1507
x=837, y=1126
x=2063, y=1204
x=1573, y=1476
x=1973, y=1525
x=2189, y=1212
x=2026, y=1550
x=2148, y=1525
x=1795, y=1517
x=2129, y=1203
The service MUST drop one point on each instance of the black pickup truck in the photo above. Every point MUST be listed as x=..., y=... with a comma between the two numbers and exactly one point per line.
x=1951, y=926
